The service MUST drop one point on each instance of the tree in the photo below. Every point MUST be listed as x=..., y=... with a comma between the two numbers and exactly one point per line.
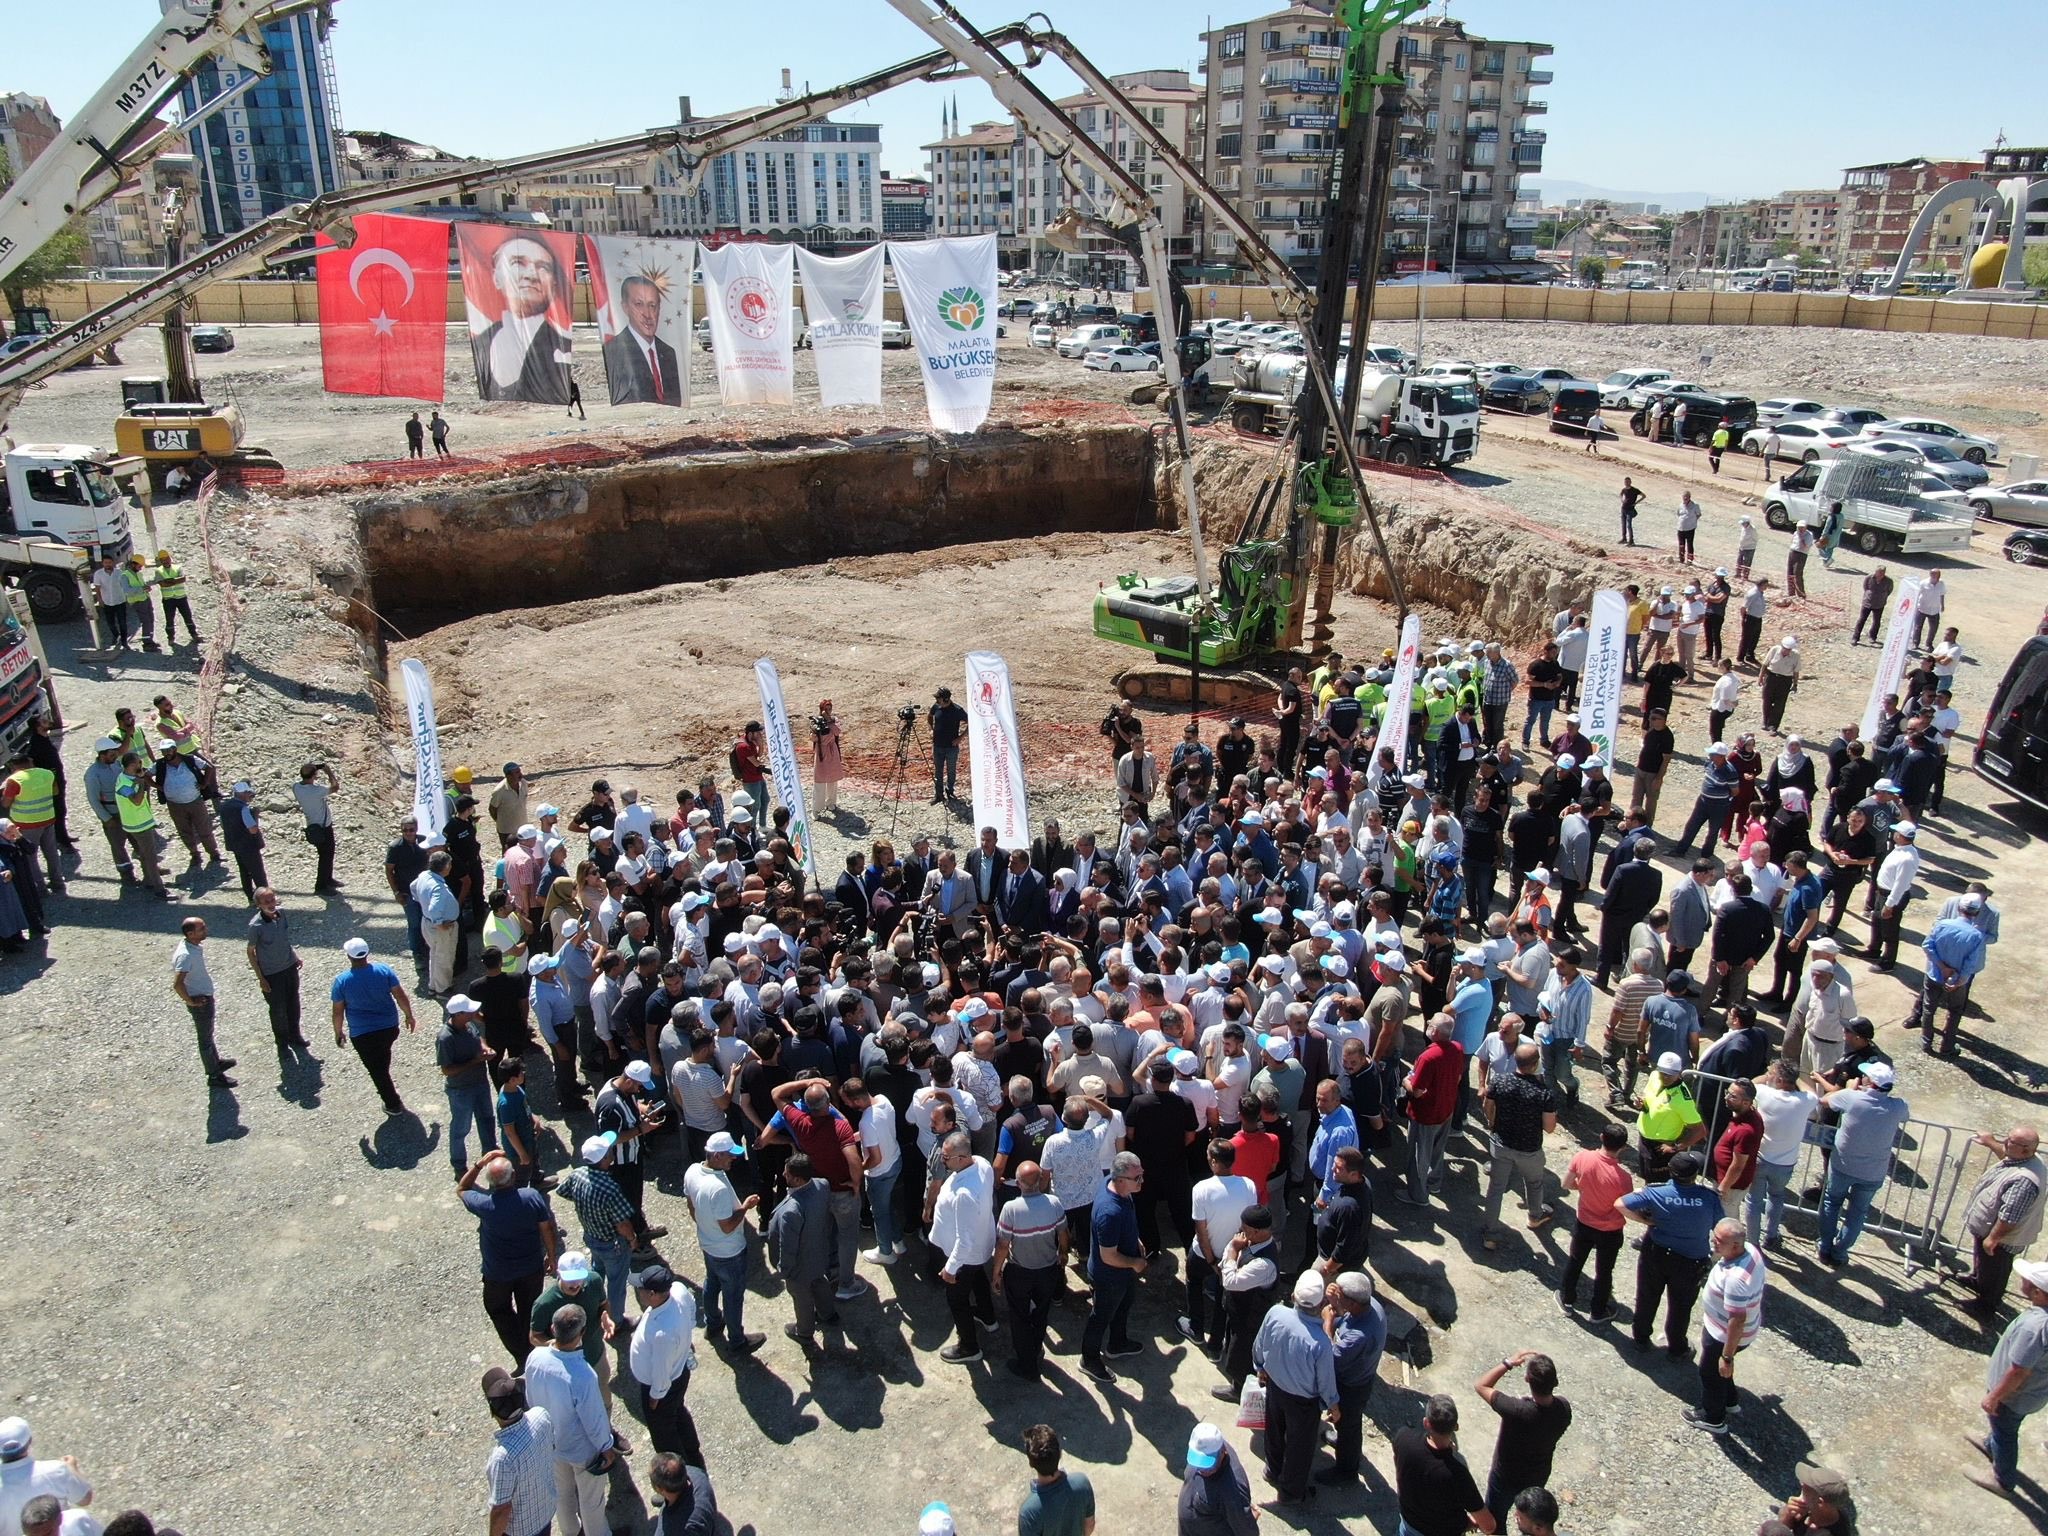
x=1784, y=245
x=61, y=252
x=2036, y=268
x=1593, y=268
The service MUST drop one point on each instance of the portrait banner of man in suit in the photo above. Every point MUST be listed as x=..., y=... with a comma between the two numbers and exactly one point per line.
x=518, y=288
x=640, y=293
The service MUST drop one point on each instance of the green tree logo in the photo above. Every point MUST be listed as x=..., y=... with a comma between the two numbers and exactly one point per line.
x=961, y=308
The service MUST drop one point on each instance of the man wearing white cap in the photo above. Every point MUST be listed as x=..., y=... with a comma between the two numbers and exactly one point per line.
x=1778, y=677
x=1894, y=889
x=368, y=999
x=623, y=1107
x=1298, y=1366
x=2016, y=1382
x=1871, y=1120
x=465, y=1063
x=241, y=828
x=1215, y=1493
x=23, y=1477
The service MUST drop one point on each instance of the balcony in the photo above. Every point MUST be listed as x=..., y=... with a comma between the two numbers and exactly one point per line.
x=1475, y=213
x=1484, y=100
x=1532, y=106
x=1292, y=84
x=1531, y=136
x=1539, y=77
x=1490, y=64
x=1482, y=132
x=1529, y=156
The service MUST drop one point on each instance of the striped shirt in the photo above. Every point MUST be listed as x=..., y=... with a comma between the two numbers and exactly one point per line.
x=1625, y=1019
x=1735, y=1285
x=1031, y=1225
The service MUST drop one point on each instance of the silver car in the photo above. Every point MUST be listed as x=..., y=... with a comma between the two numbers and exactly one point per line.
x=2025, y=502
x=1922, y=432
x=1957, y=471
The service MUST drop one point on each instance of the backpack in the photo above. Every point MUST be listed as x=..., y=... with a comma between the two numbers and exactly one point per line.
x=732, y=761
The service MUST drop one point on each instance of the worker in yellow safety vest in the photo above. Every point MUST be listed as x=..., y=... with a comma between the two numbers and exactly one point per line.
x=170, y=586
x=1439, y=706
x=135, y=584
x=138, y=820
x=28, y=796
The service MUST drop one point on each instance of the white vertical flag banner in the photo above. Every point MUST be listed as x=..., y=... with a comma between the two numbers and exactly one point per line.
x=948, y=287
x=429, y=789
x=1891, y=661
x=747, y=300
x=995, y=755
x=1600, y=681
x=783, y=767
x=843, y=301
x=640, y=290
x=1401, y=692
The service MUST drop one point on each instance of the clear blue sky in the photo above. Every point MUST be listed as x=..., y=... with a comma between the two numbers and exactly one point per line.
x=1762, y=97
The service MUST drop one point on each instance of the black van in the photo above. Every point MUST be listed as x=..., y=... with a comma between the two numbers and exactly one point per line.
x=1573, y=405
x=1139, y=328
x=1704, y=414
x=2012, y=753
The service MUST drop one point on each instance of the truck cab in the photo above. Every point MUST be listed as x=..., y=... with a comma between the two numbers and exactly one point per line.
x=66, y=493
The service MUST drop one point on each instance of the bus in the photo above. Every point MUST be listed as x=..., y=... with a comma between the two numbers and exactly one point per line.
x=2012, y=752
x=1635, y=271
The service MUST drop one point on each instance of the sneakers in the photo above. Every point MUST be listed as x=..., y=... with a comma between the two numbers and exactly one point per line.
x=1186, y=1325
x=1095, y=1370
x=1699, y=1420
x=1122, y=1351
x=956, y=1354
x=880, y=1255
x=852, y=1292
x=1601, y=1317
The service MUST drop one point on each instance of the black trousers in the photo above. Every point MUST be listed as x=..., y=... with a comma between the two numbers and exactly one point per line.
x=322, y=839
x=509, y=1306
x=1602, y=1247
x=1177, y=1195
x=1875, y=618
x=283, y=1002
x=970, y=1301
x=1029, y=1294
x=173, y=606
x=1884, y=934
x=201, y=1009
x=1291, y=1441
x=1674, y=1279
x=374, y=1050
x=669, y=1425
x=1351, y=1426
x=249, y=865
x=1752, y=632
x=1205, y=1299
x=1717, y=1392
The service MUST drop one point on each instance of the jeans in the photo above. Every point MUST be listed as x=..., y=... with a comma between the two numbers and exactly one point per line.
x=2004, y=1440
x=1635, y=658
x=1707, y=812
x=1602, y=1246
x=1766, y=1207
x=725, y=1296
x=469, y=1102
x=1109, y=1318
x=1838, y=1232
x=1557, y=1067
x=613, y=1260
x=845, y=1208
x=758, y=793
x=882, y=1202
x=415, y=939
x=1538, y=718
x=1029, y=1294
x=1425, y=1150
x=945, y=769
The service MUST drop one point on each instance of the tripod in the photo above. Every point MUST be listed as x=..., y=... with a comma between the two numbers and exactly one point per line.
x=906, y=736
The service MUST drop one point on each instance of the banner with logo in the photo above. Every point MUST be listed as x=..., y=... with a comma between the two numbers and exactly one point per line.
x=518, y=288
x=1606, y=665
x=843, y=301
x=747, y=300
x=995, y=752
x=1401, y=691
x=640, y=293
x=783, y=767
x=948, y=288
x=429, y=790
x=384, y=309
x=1891, y=661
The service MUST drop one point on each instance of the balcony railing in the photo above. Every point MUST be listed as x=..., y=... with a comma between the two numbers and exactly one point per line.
x=1539, y=77
x=1296, y=84
x=1533, y=106
x=1531, y=136
x=1529, y=155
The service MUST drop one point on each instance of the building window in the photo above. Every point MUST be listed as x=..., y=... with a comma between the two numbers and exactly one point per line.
x=1269, y=40
x=1229, y=146
x=1233, y=45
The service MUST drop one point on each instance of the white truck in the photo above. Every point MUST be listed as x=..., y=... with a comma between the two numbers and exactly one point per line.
x=62, y=506
x=1881, y=512
x=1402, y=420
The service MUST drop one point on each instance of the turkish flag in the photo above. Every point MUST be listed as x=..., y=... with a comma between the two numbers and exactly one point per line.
x=384, y=309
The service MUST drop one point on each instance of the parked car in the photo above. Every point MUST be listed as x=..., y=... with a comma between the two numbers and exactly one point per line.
x=1043, y=336
x=212, y=338
x=1768, y=411
x=2027, y=547
x=1704, y=414
x=15, y=344
x=1857, y=416
x=1516, y=392
x=1643, y=394
x=895, y=334
x=1572, y=406
x=1393, y=359
x=1804, y=440
x=1451, y=373
x=1616, y=387
x=2025, y=501
x=1552, y=376
x=1957, y=471
x=1921, y=432
x=1120, y=360
x=1085, y=313
x=1083, y=339
x=1495, y=370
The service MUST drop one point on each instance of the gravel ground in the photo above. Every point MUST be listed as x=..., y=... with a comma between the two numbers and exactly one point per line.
x=282, y=1304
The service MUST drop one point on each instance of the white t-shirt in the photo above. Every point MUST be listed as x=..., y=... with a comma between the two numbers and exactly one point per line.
x=1727, y=689
x=1785, y=1114
x=878, y=1129
x=1219, y=1205
x=189, y=961
x=21, y=1481
x=312, y=800
x=1200, y=1093
x=1233, y=1074
x=712, y=1200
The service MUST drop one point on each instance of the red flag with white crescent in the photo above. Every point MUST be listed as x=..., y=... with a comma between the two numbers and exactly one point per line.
x=384, y=309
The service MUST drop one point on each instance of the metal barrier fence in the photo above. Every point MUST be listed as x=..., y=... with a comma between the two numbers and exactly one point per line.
x=1926, y=1190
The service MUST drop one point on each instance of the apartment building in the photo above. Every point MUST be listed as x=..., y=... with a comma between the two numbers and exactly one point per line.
x=906, y=207
x=1880, y=203
x=27, y=128
x=1471, y=129
x=1810, y=219
x=990, y=180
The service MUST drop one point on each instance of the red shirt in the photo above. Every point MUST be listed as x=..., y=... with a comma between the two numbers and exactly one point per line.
x=1602, y=1182
x=1258, y=1154
x=823, y=1141
x=749, y=760
x=1743, y=1138
x=1438, y=1072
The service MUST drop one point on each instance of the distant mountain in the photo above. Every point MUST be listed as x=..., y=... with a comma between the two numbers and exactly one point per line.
x=1554, y=190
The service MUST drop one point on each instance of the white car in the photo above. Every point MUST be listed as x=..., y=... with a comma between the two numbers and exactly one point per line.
x=1787, y=410
x=2025, y=502
x=1121, y=360
x=1450, y=373
x=1615, y=388
x=1803, y=440
x=1083, y=339
x=895, y=334
x=1642, y=394
x=1043, y=336
x=1551, y=377
x=1496, y=370
x=1393, y=359
x=1923, y=433
x=1954, y=469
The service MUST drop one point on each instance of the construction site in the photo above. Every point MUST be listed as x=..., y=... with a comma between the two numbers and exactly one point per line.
x=265, y=1297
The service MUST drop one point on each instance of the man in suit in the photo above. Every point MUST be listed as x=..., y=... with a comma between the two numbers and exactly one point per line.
x=1021, y=895
x=949, y=895
x=1086, y=860
x=1632, y=892
x=523, y=356
x=985, y=867
x=638, y=364
x=1692, y=913
x=1051, y=851
x=851, y=894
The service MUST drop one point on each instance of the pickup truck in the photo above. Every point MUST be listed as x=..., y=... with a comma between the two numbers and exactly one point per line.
x=1881, y=511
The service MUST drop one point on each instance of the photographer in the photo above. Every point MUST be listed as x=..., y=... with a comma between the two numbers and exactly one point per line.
x=829, y=765
x=947, y=721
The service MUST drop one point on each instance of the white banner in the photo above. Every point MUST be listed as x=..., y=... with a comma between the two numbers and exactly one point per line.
x=843, y=301
x=747, y=300
x=948, y=288
x=640, y=291
x=1401, y=692
x=429, y=790
x=995, y=755
x=1891, y=661
x=1600, y=681
x=782, y=762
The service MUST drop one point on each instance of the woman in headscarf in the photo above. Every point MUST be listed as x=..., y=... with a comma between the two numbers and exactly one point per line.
x=1793, y=768
x=17, y=873
x=1791, y=826
x=561, y=908
x=1063, y=900
x=1749, y=763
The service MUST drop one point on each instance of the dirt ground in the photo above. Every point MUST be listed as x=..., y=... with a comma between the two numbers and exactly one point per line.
x=268, y=1298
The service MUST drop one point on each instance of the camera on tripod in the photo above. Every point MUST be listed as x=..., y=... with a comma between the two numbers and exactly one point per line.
x=820, y=724
x=907, y=713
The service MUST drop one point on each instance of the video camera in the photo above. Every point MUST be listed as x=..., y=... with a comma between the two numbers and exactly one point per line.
x=820, y=725
x=907, y=713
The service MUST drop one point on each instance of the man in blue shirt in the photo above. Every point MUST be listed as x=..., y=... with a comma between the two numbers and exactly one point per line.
x=1954, y=947
x=1471, y=1009
x=1357, y=1325
x=1336, y=1129
x=515, y=1229
x=1298, y=1367
x=368, y=999
x=1116, y=1257
x=1799, y=915
x=1871, y=1119
x=1676, y=1252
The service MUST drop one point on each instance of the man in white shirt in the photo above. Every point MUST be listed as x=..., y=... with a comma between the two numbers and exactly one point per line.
x=881, y=1167
x=1894, y=890
x=964, y=1232
x=721, y=1218
x=661, y=1357
x=966, y=1112
x=23, y=1477
x=1927, y=609
x=1786, y=1107
x=1219, y=1203
x=1731, y=1314
x=633, y=816
x=1230, y=1073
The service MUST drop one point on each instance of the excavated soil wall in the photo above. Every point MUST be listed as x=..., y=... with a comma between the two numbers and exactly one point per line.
x=578, y=534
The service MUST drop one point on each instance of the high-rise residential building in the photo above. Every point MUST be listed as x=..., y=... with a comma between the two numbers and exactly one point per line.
x=986, y=181
x=1471, y=129
x=1809, y=219
x=818, y=185
x=27, y=128
x=1880, y=203
x=279, y=141
x=906, y=207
